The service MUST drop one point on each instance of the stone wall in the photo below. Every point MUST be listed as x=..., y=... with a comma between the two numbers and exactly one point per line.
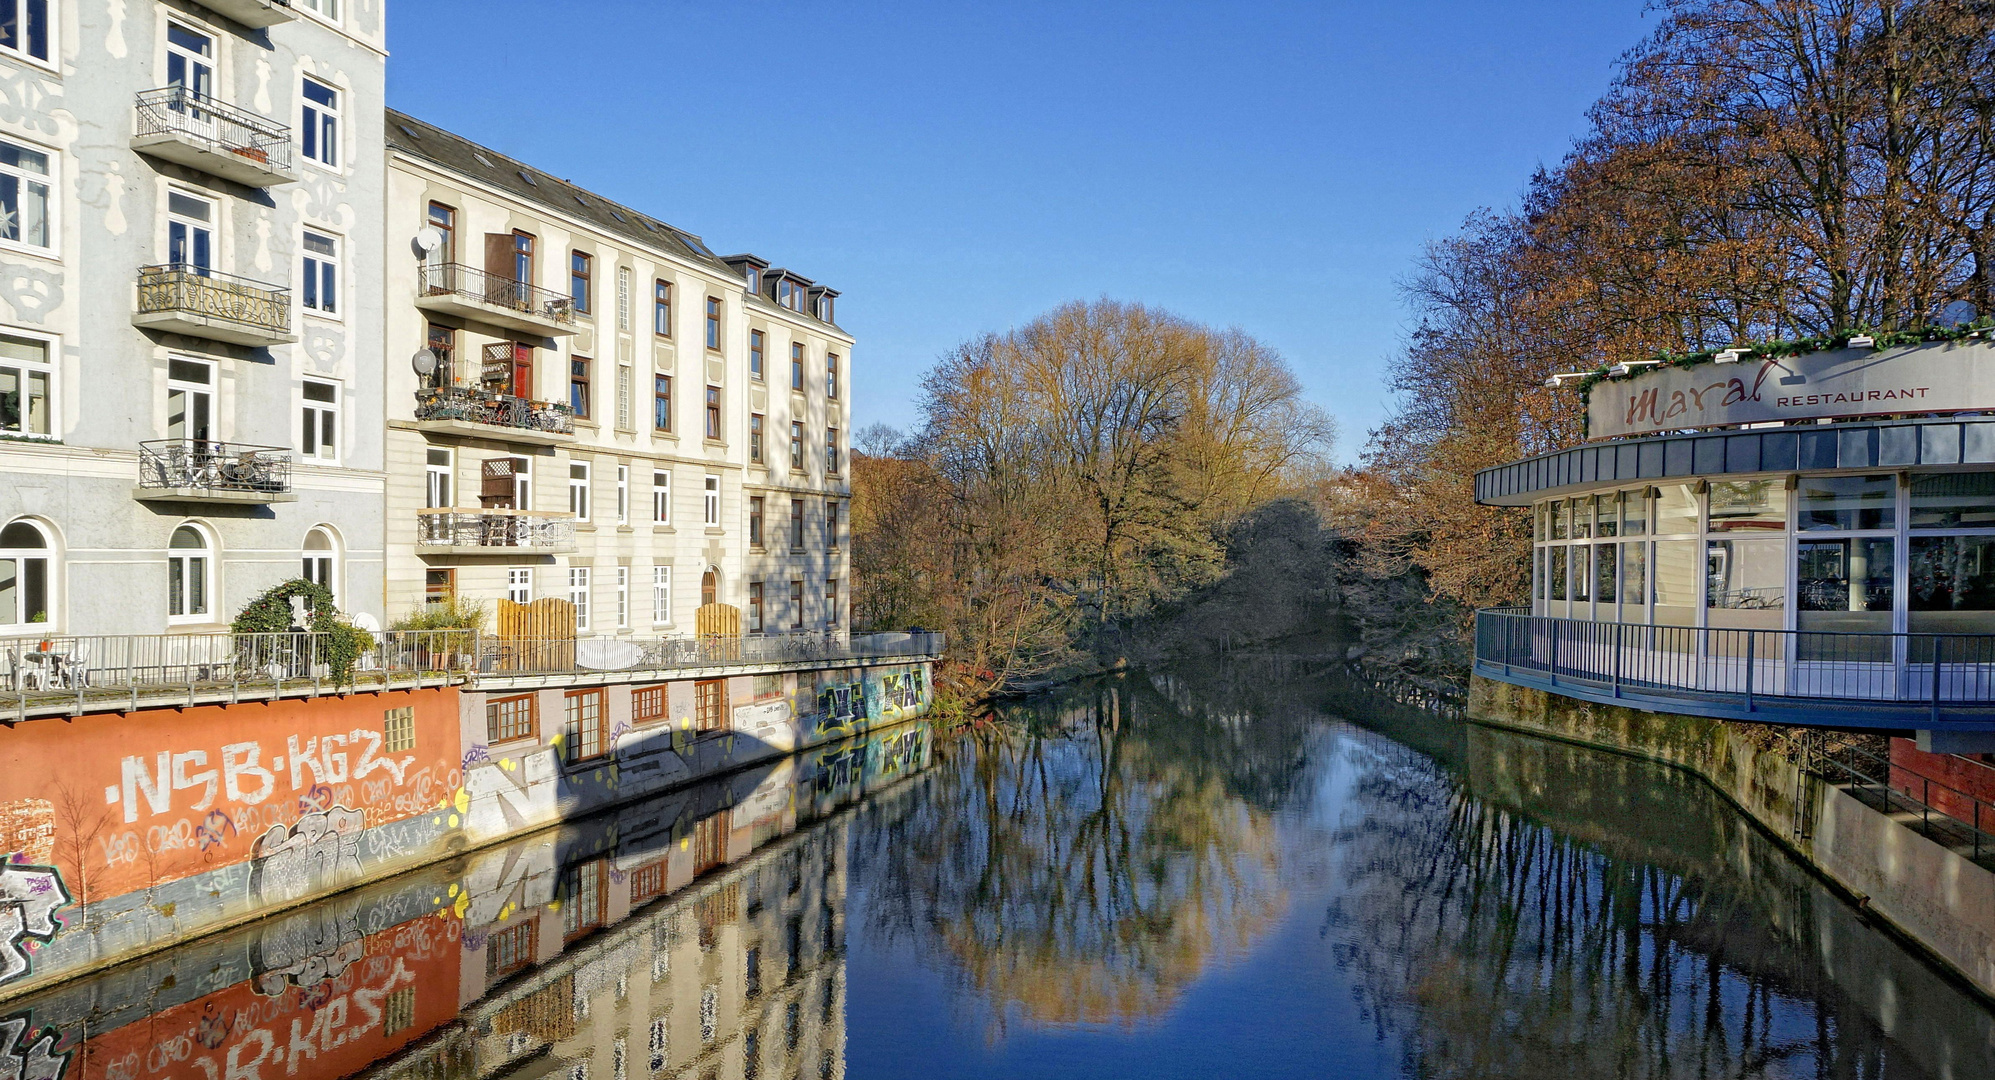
x=1943, y=903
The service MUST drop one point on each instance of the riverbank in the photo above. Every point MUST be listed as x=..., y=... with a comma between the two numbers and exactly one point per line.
x=1938, y=901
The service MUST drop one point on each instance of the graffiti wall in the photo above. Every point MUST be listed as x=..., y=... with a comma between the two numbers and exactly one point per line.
x=123, y=831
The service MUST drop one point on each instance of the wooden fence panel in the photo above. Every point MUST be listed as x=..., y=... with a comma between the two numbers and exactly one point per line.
x=539, y=636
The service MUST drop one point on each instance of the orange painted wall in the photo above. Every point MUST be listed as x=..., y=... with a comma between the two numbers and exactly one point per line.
x=120, y=801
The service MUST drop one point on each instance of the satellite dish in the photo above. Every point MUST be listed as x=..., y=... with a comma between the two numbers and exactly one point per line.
x=429, y=239
x=363, y=621
x=424, y=362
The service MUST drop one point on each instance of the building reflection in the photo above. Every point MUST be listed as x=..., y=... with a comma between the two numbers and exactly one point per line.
x=696, y=935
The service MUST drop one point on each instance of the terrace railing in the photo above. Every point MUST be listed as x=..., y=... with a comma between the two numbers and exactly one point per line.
x=1891, y=680
x=560, y=656
x=522, y=530
x=179, y=110
x=499, y=410
x=496, y=289
x=212, y=294
x=203, y=465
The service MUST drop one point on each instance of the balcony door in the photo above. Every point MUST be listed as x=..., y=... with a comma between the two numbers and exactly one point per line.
x=190, y=68
x=190, y=402
x=190, y=233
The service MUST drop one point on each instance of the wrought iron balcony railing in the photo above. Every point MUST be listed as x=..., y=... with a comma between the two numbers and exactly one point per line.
x=214, y=297
x=498, y=410
x=218, y=467
x=177, y=110
x=510, y=530
x=471, y=283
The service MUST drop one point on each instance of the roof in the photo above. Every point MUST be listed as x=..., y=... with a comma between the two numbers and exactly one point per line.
x=460, y=155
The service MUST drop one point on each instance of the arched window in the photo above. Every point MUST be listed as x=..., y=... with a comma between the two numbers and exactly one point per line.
x=24, y=575
x=322, y=560
x=709, y=588
x=189, y=575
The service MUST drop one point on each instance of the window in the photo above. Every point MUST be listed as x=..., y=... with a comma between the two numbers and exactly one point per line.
x=661, y=595
x=24, y=576
x=623, y=299
x=755, y=521
x=26, y=180
x=321, y=561
x=522, y=262
x=831, y=524
x=796, y=445
x=831, y=603
x=189, y=575
x=647, y=703
x=444, y=220
x=190, y=400
x=661, y=308
x=831, y=450
x=824, y=309
x=713, y=412
x=753, y=275
x=578, y=595
x=26, y=378
x=439, y=586
x=754, y=607
x=709, y=588
x=522, y=483
x=321, y=126
x=831, y=375
x=582, y=725
x=755, y=438
x=713, y=322
x=438, y=473
x=578, y=281
x=326, y=9
x=582, y=900
x=623, y=597
x=796, y=524
x=319, y=421
x=713, y=502
x=710, y=705
x=796, y=365
x=25, y=27
x=190, y=232
x=190, y=64
x=623, y=494
x=796, y=605
x=578, y=490
x=511, y=949
x=757, y=348
x=321, y=274
x=623, y=398
x=661, y=402
x=661, y=497
x=398, y=729
x=578, y=387
x=519, y=584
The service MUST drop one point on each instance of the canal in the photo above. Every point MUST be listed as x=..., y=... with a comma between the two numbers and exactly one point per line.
x=1245, y=872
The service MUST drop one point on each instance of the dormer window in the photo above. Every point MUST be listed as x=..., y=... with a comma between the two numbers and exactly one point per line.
x=754, y=279
x=824, y=309
x=783, y=292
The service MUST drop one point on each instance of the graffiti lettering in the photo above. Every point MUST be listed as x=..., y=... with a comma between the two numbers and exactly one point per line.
x=214, y=829
x=33, y=1061
x=240, y=760
x=29, y=898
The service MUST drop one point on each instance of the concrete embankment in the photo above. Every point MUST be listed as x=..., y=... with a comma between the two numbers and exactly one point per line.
x=1939, y=901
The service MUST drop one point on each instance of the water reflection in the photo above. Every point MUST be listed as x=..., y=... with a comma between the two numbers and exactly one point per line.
x=699, y=934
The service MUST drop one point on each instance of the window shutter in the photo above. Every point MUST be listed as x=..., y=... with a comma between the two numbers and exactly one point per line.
x=495, y=478
x=499, y=255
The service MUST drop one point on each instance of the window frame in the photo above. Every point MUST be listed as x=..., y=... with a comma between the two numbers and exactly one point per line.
x=754, y=607
x=311, y=7
x=661, y=594
x=831, y=376
x=581, y=282
x=623, y=493
x=446, y=470
x=661, y=497
x=796, y=604
x=796, y=446
x=578, y=489
x=758, y=354
x=208, y=555
x=328, y=117
x=797, y=357
x=319, y=415
x=716, y=428
x=51, y=27
x=661, y=402
x=499, y=733
x=832, y=456
x=661, y=308
x=755, y=518
x=519, y=583
x=579, y=586
x=623, y=597
x=796, y=525
x=51, y=198
x=642, y=711
x=206, y=391
x=315, y=288
x=579, y=374
x=46, y=554
x=713, y=328
x=574, y=726
x=51, y=368
x=711, y=500
x=755, y=426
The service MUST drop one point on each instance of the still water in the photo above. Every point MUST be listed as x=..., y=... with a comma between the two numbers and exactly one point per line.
x=1242, y=873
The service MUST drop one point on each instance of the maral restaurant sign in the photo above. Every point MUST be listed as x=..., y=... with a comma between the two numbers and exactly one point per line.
x=1938, y=377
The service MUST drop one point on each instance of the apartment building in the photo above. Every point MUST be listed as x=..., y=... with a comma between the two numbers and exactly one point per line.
x=597, y=408
x=190, y=195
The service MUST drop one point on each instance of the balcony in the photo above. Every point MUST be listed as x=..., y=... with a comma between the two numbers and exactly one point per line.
x=493, y=532
x=1935, y=682
x=202, y=303
x=470, y=293
x=191, y=470
x=255, y=14
x=469, y=411
x=176, y=124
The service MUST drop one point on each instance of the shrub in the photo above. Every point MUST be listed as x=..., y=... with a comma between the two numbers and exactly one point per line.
x=342, y=642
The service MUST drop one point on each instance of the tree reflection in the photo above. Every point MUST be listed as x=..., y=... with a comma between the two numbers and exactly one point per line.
x=1073, y=872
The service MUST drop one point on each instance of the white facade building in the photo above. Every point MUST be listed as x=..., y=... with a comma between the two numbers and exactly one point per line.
x=588, y=404
x=190, y=199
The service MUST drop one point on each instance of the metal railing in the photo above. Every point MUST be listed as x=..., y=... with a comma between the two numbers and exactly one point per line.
x=499, y=410
x=215, y=295
x=517, y=529
x=214, y=466
x=62, y=674
x=179, y=110
x=559, y=656
x=469, y=281
x=1748, y=669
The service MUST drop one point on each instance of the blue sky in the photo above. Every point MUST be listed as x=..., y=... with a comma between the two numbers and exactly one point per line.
x=961, y=167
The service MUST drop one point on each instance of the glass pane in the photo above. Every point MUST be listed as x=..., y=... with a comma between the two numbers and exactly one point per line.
x=1538, y=574
x=1558, y=574
x=34, y=590
x=1846, y=502
x=1675, y=583
x=1555, y=511
x=1582, y=575
x=187, y=537
x=1758, y=506
x=1607, y=509
x=1676, y=510
x=1603, y=573
x=11, y=405
x=1634, y=581
x=22, y=535
x=1746, y=583
x=1538, y=526
x=176, y=587
x=37, y=418
x=1953, y=501
x=197, y=586
x=1951, y=588
x=1844, y=585
x=10, y=592
x=1582, y=518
